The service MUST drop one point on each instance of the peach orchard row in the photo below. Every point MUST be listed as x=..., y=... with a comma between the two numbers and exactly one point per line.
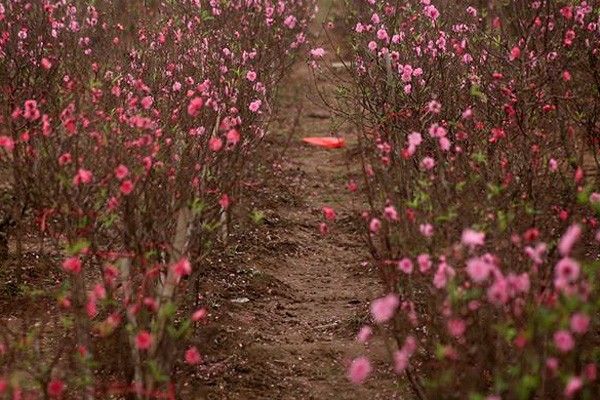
x=124, y=136
x=478, y=127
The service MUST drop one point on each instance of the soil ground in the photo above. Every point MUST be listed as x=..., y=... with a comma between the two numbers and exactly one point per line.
x=290, y=300
x=297, y=298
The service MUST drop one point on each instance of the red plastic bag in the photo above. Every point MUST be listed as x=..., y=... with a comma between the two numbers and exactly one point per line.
x=327, y=142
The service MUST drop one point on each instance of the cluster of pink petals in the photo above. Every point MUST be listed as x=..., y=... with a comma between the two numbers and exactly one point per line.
x=383, y=309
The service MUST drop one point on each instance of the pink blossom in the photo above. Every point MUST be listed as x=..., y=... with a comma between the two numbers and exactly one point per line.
x=518, y=283
x=192, y=356
x=552, y=364
x=426, y=230
x=233, y=137
x=434, y=107
x=563, y=341
x=99, y=292
x=428, y=163
x=406, y=265
x=383, y=309
x=382, y=35
x=151, y=303
x=144, y=340
x=415, y=139
x=567, y=12
x=445, y=144
x=72, y=264
x=568, y=239
x=400, y=361
x=195, y=105
x=536, y=254
x=224, y=201
x=410, y=345
x=573, y=386
x=472, y=238
x=182, y=268
x=329, y=213
x=251, y=76
x=91, y=308
x=318, y=52
x=215, y=143
x=578, y=174
x=579, y=323
x=290, y=21
x=45, y=63
x=323, y=228
x=424, y=261
x=591, y=371
x=498, y=293
x=364, y=334
x=255, y=105
x=391, y=213
x=478, y=270
x=199, y=314
x=569, y=37
x=31, y=112
x=374, y=225
x=443, y=272
x=55, y=388
x=566, y=271
x=432, y=12
x=121, y=172
x=126, y=187
x=514, y=53
x=82, y=176
x=456, y=327
x=147, y=102
x=359, y=370
x=7, y=143
x=113, y=203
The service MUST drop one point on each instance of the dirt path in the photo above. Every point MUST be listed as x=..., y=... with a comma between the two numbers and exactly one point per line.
x=296, y=297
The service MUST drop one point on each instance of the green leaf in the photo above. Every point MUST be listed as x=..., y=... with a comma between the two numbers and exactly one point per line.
x=156, y=372
x=78, y=247
x=66, y=322
x=257, y=216
x=528, y=384
x=168, y=309
x=197, y=206
x=109, y=220
x=480, y=158
x=583, y=197
x=494, y=190
x=460, y=186
x=476, y=92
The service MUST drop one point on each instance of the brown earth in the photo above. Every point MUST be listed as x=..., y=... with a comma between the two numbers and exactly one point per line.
x=289, y=301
